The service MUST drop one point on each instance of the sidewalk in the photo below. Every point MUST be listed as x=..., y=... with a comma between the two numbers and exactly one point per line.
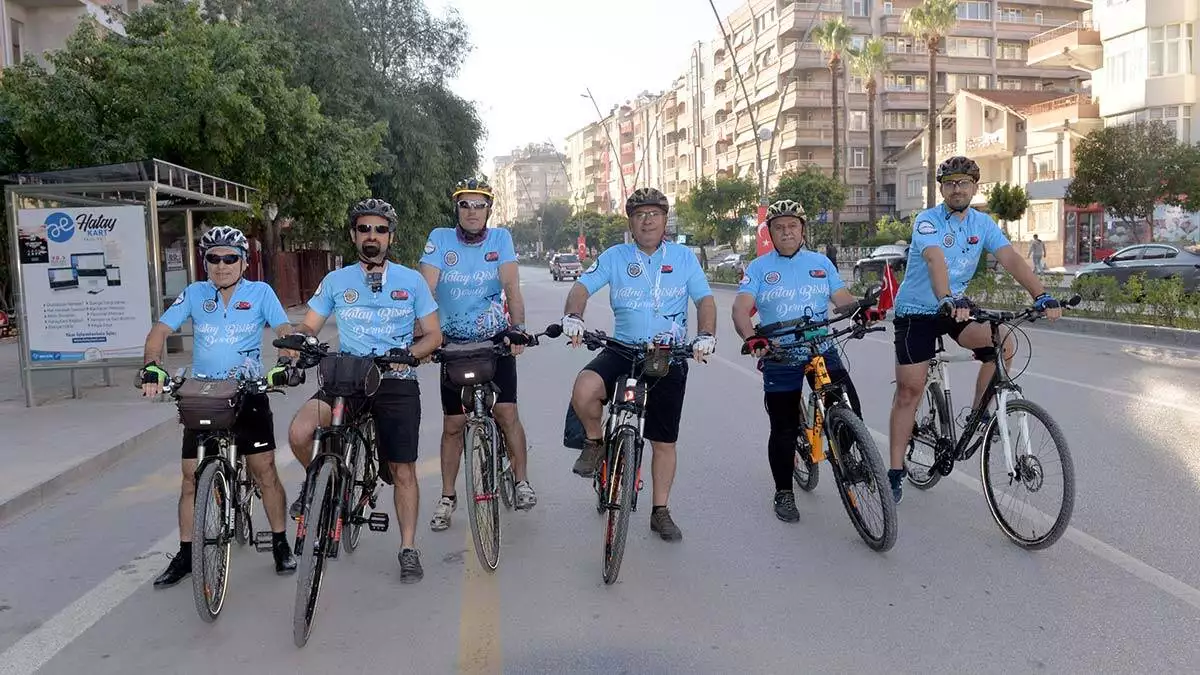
x=63, y=441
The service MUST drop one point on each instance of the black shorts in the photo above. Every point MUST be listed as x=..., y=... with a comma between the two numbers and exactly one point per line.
x=505, y=381
x=664, y=395
x=916, y=337
x=253, y=430
x=396, y=408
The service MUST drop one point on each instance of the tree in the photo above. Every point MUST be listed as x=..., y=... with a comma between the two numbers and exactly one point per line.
x=816, y=191
x=1183, y=183
x=834, y=38
x=869, y=63
x=1007, y=203
x=713, y=210
x=1128, y=169
x=929, y=22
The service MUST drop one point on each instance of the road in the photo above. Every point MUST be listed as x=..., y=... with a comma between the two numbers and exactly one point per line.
x=743, y=592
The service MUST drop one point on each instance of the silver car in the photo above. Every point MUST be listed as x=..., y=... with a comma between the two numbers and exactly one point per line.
x=1155, y=261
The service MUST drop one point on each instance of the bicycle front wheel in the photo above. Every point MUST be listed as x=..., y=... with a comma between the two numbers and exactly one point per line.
x=211, y=541
x=482, y=478
x=317, y=522
x=931, y=420
x=1044, y=473
x=243, y=516
x=862, y=482
x=620, y=486
x=356, y=490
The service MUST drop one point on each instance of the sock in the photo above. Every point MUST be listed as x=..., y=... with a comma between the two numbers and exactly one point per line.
x=657, y=509
x=453, y=498
x=279, y=538
x=185, y=551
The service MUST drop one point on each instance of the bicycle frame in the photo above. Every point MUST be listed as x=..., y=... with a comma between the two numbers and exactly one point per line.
x=626, y=411
x=343, y=435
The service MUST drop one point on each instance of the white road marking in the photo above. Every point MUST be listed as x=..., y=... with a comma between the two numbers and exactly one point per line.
x=1104, y=551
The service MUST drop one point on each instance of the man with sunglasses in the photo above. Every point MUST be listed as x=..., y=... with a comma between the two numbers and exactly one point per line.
x=650, y=282
x=378, y=304
x=947, y=242
x=228, y=313
x=472, y=270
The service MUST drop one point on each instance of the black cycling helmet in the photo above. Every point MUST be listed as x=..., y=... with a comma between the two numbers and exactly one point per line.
x=646, y=197
x=374, y=207
x=958, y=165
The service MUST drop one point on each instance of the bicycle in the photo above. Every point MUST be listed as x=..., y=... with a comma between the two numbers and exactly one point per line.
x=828, y=414
x=342, y=478
x=489, y=472
x=935, y=428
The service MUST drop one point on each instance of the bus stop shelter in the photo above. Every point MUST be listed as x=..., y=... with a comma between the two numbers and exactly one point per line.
x=98, y=253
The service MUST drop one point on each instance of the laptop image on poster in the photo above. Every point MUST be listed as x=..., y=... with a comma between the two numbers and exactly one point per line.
x=62, y=278
x=91, y=269
x=114, y=275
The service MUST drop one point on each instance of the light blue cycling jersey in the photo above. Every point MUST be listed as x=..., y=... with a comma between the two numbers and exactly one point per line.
x=962, y=242
x=648, y=294
x=785, y=289
x=228, y=337
x=373, y=322
x=469, y=292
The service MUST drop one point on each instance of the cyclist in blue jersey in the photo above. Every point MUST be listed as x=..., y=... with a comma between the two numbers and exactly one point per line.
x=228, y=314
x=378, y=304
x=947, y=242
x=789, y=283
x=649, y=283
x=472, y=270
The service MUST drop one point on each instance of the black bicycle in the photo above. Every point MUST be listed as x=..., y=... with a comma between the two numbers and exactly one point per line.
x=343, y=477
x=1019, y=465
x=489, y=475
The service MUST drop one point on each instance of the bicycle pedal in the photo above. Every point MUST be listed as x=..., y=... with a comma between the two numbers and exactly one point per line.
x=378, y=521
x=264, y=541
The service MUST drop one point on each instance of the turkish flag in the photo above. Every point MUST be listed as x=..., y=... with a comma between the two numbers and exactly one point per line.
x=887, y=294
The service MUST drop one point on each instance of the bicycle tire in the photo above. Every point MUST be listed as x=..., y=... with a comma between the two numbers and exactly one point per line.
x=508, y=482
x=483, y=508
x=318, y=518
x=209, y=590
x=1066, y=507
x=243, y=514
x=356, y=490
x=806, y=474
x=933, y=397
x=843, y=420
x=621, y=485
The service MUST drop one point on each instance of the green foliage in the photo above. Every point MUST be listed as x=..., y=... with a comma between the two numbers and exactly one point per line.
x=1007, y=202
x=813, y=188
x=889, y=230
x=713, y=210
x=833, y=37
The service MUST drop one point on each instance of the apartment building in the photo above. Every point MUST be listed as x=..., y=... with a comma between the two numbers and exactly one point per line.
x=527, y=179
x=37, y=26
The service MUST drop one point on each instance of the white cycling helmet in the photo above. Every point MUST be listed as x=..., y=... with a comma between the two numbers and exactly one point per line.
x=225, y=236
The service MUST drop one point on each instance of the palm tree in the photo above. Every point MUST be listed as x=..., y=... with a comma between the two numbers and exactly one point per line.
x=929, y=22
x=869, y=63
x=834, y=38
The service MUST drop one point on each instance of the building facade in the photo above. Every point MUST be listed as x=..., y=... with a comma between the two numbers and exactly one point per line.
x=33, y=27
x=526, y=180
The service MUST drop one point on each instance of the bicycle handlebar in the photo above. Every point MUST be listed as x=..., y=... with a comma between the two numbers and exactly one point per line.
x=781, y=328
x=980, y=315
x=598, y=339
x=499, y=348
x=312, y=351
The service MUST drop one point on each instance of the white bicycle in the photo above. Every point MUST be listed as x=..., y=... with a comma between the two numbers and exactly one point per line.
x=1014, y=469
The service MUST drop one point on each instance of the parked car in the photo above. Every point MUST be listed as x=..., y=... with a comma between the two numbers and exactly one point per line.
x=733, y=261
x=564, y=266
x=888, y=254
x=1155, y=261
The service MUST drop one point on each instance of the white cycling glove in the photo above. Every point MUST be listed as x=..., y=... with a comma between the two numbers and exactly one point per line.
x=572, y=326
x=705, y=344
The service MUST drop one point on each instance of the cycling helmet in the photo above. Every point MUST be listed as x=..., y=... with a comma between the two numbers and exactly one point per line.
x=646, y=197
x=374, y=207
x=786, y=207
x=225, y=236
x=476, y=185
x=958, y=165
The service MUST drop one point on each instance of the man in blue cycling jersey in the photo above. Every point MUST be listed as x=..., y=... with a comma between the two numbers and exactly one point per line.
x=649, y=283
x=228, y=314
x=947, y=242
x=377, y=304
x=472, y=270
x=789, y=283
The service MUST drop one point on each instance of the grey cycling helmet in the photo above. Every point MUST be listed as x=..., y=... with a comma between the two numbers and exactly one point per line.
x=646, y=197
x=225, y=236
x=374, y=207
x=958, y=166
x=786, y=207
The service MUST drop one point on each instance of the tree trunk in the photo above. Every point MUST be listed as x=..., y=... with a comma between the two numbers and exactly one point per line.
x=269, y=247
x=873, y=212
x=931, y=151
x=835, y=215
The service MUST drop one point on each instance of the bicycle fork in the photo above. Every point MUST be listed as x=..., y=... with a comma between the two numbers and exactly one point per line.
x=1001, y=421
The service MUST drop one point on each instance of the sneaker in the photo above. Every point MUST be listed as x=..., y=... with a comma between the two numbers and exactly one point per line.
x=177, y=570
x=661, y=522
x=785, y=506
x=526, y=497
x=297, y=507
x=441, y=513
x=410, y=566
x=588, y=462
x=895, y=477
x=285, y=564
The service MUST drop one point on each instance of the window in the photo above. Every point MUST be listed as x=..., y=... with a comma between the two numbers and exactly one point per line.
x=1159, y=253
x=858, y=41
x=975, y=11
x=904, y=82
x=1171, y=50
x=914, y=186
x=1013, y=51
x=902, y=120
x=976, y=47
x=1037, y=18
x=1121, y=69
x=887, y=9
x=857, y=85
x=858, y=7
x=1012, y=16
x=858, y=120
x=1010, y=84
x=1041, y=166
x=860, y=195
x=16, y=34
x=764, y=21
x=858, y=158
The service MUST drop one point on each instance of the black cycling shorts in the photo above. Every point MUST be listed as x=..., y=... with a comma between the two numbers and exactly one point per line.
x=253, y=430
x=396, y=408
x=917, y=334
x=505, y=381
x=664, y=395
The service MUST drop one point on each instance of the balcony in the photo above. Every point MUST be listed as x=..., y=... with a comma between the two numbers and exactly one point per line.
x=1077, y=112
x=806, y=98
x=898, y=138
x=1074, y=45
x=907, y=99
x=990, y=145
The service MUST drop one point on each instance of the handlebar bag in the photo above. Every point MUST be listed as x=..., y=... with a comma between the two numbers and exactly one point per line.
x=348, y=375
x=470, y=363
x=658, y=362
x=208, y=405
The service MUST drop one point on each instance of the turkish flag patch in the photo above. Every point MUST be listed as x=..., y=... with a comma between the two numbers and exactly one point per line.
x=242, y=304
x=491, y=256
x=817, y=274
x=666, y=269
x=972, y=239
x=400, y=294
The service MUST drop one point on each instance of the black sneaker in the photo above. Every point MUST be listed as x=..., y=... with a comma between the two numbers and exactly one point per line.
x=588, y=462
x=785, y=506
x=662, y=523
x=285, y=564
x=410, y=566
x=177, y=570
x=896, y=478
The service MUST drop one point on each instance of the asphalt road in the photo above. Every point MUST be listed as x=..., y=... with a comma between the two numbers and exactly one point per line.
x=742, y=593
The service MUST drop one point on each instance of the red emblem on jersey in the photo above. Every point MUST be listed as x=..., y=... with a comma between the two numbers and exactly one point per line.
x=400, y=294
x=972, y=239
x=817, y=274
x=242, y=304
x=666, y=269
x=491, y=256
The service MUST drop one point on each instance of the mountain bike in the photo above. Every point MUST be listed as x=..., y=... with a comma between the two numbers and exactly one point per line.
x=343, y=476
x=934, y=428
x=489, y=472
x=854, y=459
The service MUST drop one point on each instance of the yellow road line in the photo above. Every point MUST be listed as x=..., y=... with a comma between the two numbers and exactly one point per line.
x=479, y=649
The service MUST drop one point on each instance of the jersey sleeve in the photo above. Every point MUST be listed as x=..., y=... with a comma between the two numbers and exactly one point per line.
x=599, y=274
x=993, y=237
x=178, y=312
x=697, y=282
x=752, y=280
x=925, y=233
x=432, y=256
x=423, y=302
x=832, y=276
x=322, y=300
x=508, y=253
x=273, y=310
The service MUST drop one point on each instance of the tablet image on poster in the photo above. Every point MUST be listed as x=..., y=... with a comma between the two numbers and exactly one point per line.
x=77, y=307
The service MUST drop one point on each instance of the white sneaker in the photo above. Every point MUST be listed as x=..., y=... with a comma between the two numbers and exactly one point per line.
x=526, y=497
x=441, y=514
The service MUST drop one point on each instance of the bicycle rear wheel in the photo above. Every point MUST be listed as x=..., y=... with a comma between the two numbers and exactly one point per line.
x=317, y=523
x=862, y=482
x=243, y=516
x=356, y=491
x=482, y=478
x=1034, y=476
x=928, y=430
x=622, y=476
x=211, y=541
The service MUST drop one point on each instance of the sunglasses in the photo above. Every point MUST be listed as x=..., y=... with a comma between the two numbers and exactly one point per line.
x=472, y=204
x=227, y=259
x=379, y=229
x=648, y=215
x=960, y=184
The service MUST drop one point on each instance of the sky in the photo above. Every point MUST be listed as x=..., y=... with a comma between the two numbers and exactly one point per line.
x=534, y=58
